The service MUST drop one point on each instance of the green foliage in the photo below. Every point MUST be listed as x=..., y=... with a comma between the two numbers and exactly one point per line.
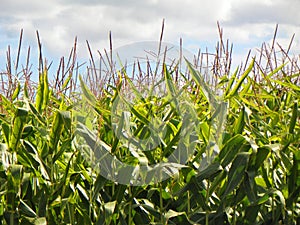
x=252, y=178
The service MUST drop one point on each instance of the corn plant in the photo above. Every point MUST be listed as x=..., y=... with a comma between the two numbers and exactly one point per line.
x=220, y=150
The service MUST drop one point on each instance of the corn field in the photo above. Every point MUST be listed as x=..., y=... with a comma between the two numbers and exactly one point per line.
x=229, y=142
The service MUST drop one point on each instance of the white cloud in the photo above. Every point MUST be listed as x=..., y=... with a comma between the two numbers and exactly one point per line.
x=245, y=23
x=278, y=11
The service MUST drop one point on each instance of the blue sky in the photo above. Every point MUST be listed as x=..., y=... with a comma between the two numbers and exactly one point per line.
x=247, y=24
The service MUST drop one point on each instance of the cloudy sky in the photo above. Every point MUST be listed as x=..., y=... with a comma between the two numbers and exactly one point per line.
x=246, y=23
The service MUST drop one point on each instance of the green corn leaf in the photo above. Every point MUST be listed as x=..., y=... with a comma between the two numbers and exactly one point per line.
x=149, y=208
x=40, y=221
x=249, y=185
x=16, y=172
x=16, y=92
x=26, y=210
x=135, y=112
x=40, y=94
x=66, y=116
x=236, y=172
x=26, y=159
x=87, y=93
x=266, y=180
x=203, y=86
x=261, y=155
x=119, y=193
x=99, y=183
x=27, y=131
x=251, y=213
x=231, y=81
x=45, y=90
x=294, y=178
x=6, y=131
x=210, y=171
x=230, y=149
x=172, y=142
x=287, y=99
x=109, y=208
x=67, y=81
x=294, y=118
x=250, y=103
x=26, y=94
x=136, y=92
x=171, y=214
x=240, y=123
x=170, y=87
x=218, y=181
x=259, y=180
x=240, y=81
x=7, y=105
x=287, y=84
x=142, y=217
x=34, y=158
x=36, y=114
x=276, y=70
x=57, y=127
x=246, y=88
x=17, y=127
x=65, y=145
x=13, y=186
x=286, y=160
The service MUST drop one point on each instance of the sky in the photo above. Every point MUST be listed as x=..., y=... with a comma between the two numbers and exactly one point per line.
x=246, y=23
